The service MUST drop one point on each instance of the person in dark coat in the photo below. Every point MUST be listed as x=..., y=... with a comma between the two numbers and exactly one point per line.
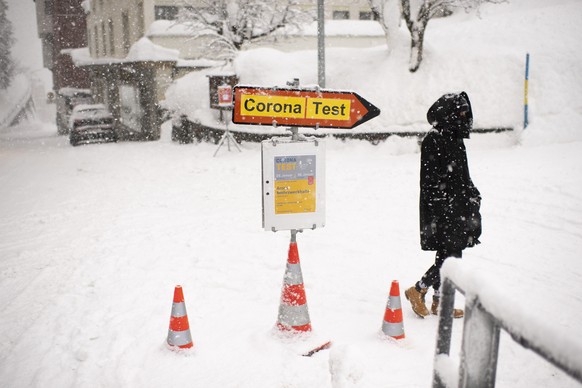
x=449, y=201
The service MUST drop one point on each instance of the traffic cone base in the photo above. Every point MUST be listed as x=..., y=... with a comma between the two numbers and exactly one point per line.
x=179, y=339
x=293, y=318
x=393, y=325
x=304, y=328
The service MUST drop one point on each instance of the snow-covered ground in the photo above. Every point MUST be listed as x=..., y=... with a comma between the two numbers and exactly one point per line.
x=93, y=239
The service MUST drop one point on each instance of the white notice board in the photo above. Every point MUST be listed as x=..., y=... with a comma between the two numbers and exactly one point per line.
x=293, y=184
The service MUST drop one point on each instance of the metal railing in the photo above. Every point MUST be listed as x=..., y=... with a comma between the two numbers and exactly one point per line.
x=480, y=341
x=22, y=105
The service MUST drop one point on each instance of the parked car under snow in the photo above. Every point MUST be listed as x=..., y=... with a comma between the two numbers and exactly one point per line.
x=66, y=99
x=91, y=123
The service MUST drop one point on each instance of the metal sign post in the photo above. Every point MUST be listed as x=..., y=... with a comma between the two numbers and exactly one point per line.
x=225, y=103
x=227, y=136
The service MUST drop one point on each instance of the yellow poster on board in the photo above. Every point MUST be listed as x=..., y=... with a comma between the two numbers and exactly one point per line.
x=295, y=184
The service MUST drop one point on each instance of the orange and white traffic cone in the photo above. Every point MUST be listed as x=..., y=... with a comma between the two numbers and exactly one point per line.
x=393, y=324
x=293, y=313
x=179, y=332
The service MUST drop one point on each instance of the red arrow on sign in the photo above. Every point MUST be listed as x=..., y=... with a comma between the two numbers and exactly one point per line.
x=300, y=107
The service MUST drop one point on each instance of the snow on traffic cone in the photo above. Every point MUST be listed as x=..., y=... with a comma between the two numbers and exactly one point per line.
x=179, y=332
x=293, y=313
x=393, y=325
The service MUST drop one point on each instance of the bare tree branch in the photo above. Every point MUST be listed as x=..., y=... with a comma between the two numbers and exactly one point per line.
x=237, y=22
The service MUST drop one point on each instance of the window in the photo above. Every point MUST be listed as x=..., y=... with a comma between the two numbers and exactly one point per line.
x=341, y=15
x=140, y=22
x=125, y=26
x=47, y=51
x=90, y=40
x=366, y=15
x=103, y=37
x=96, y=36
x=111, y=40
x=166, y=12
x=48, y=7
x=131, y=112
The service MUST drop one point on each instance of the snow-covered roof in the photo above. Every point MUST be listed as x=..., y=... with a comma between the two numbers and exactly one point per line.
x=202, y=62
x=82, y=57
x=145, y=50
x=87, y=5
x=141, y=51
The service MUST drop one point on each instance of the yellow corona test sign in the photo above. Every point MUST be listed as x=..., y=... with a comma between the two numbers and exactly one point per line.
x=295, y=107
x=293, y=184
x=300, y=107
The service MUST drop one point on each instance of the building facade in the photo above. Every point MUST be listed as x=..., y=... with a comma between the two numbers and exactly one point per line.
x=61, y=26
x=129, y=73
x=131, y=50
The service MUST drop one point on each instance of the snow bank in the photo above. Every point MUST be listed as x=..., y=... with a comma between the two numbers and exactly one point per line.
x=339, y=28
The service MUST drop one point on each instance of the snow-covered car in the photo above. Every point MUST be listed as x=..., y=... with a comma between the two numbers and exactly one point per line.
x=66, y=99
x=91, y=123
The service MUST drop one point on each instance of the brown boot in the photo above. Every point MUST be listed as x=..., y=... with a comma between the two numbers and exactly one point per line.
x=434, y=309
x=416, y=299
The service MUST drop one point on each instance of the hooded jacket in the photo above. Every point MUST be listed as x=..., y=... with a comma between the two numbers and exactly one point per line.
x=449, y=201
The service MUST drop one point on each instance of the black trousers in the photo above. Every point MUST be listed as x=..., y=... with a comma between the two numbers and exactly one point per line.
x=432, y=277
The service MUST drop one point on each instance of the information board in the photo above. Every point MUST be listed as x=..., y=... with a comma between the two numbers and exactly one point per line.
x=293, y=184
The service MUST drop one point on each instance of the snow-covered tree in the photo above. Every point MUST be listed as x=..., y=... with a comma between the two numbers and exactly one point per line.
x=416, y=14
x=232, y=23
x=6, y=41
x=388, y=14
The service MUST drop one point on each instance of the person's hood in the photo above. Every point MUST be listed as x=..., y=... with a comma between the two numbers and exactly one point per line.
x=445, y=114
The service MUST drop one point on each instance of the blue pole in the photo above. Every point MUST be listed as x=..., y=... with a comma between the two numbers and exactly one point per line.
x=525, y=103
